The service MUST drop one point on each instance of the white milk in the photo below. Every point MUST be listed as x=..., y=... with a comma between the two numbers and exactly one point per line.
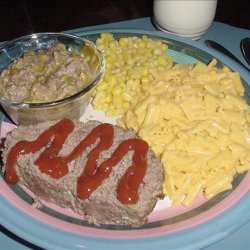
x=188, y=18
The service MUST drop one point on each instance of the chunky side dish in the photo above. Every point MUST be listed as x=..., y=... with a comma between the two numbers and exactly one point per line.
x=193, y=116
x=45, y=75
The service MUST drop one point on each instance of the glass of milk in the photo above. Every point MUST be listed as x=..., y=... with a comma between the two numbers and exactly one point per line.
x=187, y=18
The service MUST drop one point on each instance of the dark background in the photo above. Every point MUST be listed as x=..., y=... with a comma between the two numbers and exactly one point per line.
x=21, y=17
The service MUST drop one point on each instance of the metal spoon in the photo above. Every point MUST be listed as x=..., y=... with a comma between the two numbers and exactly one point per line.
x=224, y=51
x=245, y=48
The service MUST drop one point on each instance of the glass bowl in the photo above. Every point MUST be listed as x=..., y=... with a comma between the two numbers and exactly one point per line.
x=24, y=113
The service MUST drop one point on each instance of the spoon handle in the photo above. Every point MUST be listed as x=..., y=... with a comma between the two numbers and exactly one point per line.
x=245, y=48
x=223, y=50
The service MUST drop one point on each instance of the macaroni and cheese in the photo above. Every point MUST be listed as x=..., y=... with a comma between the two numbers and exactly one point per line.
x=195, y=119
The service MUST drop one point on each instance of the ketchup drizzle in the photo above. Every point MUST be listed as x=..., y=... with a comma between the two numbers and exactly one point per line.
x=92, y=176
x=53, y=139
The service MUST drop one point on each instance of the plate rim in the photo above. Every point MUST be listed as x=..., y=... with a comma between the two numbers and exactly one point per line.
x=90, y=242
x=210, y=229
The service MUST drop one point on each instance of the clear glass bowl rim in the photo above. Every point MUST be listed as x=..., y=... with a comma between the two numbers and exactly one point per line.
x=69, y=98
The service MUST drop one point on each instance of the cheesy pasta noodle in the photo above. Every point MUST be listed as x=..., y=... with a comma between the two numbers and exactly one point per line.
x=195, y=119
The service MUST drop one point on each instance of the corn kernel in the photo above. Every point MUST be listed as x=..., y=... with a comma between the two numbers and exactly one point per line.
x=101, y=87
x=116, y=91
x=123, y=41
x=126, y=97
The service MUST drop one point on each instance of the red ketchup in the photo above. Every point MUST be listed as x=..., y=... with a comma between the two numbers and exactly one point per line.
x=92, y=176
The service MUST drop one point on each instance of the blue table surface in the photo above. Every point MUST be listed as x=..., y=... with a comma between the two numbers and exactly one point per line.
x=229, y=37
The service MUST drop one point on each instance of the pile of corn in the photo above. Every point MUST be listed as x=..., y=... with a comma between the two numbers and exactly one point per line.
x=130, y=66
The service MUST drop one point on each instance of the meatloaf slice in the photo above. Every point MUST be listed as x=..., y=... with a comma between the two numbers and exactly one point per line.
x=102, y=207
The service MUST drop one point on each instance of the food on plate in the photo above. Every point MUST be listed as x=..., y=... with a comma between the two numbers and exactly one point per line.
x=130, y=63
x=195, y=119
x=45, y=75
x=102, y=172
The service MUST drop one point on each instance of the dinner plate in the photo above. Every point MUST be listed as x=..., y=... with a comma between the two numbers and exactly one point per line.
x=196, y=226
